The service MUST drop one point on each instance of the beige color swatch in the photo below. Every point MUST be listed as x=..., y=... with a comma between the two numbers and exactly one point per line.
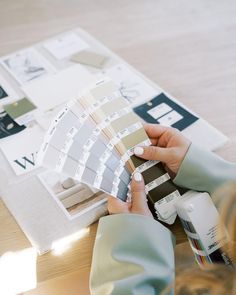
x=101, y=90
x=90, y=58
x=108, y=108
x=134, y=138
x=112, y=106
x=124, y=122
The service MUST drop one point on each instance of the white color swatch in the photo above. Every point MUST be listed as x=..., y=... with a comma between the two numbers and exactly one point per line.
x=21, y=149
x=56, y=89
x=170, y=119
x=159, y=110
x=65, y=46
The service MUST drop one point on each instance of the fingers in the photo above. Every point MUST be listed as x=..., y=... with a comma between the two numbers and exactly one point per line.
x=139, y=199
x=154, y=153
x=116, y=206
x=155, y=130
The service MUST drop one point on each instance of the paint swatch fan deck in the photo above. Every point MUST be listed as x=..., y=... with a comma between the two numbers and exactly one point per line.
x=92, y=140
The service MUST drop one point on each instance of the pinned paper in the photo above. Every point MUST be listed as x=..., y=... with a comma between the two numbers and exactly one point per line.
x=52, y=91
x=21, y=111
x=27, y=65
x=66, y=45
x=131, y=85
x=90, y=58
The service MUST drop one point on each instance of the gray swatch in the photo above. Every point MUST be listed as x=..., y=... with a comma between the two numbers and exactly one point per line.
x=125, y=176
x=76, y=151
x=93, y=162
x=84, y=132
x=88, y=176
x=106, y=185
x=98, y=148
x=122, y=191
x=70, y=166
x=112, y=162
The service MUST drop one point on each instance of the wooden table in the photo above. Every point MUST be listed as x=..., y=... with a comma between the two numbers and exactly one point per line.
x=187, y=47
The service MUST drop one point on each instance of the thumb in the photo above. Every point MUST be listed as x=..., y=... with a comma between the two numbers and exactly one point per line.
x=116, y=206
x=139, y=199
x=153, y=153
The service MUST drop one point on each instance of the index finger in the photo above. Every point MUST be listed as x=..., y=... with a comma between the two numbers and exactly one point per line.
x=155, y=130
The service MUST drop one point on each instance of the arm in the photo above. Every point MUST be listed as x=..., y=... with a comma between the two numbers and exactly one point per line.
x=202, y=170
x=133, y=254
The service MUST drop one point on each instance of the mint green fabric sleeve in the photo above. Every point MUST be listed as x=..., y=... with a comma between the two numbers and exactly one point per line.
x=133, y=254
x=203, y=170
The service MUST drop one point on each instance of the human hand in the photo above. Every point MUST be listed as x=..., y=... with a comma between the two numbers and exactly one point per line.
x=138, y=204
x=168, y=146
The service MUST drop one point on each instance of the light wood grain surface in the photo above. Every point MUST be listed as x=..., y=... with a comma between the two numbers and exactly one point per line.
x=187, y=47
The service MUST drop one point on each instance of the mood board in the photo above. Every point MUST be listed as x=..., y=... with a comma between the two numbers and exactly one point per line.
x=44, y=83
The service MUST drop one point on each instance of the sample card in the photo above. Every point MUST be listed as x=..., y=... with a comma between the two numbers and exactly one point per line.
x=66, y=45
x=8, y=126
x=51, y=91
x=132, y=87
x=26, y=65
x=21, y=111
x=165, y=111
x=90, y=58
x=21, y=150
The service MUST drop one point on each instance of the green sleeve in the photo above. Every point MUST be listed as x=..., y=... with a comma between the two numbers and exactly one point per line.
x=133, y=254
x=202, y=170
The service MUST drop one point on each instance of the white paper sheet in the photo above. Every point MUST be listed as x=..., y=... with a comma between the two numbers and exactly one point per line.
x=21, y=149
x=27, y=65
x=54, y=90
x=134, y=88
x=65, y=46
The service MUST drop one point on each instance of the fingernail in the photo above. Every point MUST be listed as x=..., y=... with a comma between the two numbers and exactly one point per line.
x=137, y=176
x=138, y=150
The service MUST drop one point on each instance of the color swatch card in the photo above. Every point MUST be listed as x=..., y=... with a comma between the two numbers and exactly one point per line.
x=92, y=140
x=21, y=111
x=89, y=58
x=162, y=110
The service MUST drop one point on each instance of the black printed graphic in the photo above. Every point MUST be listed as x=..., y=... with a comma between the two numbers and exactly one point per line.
x=8, y=126
x=3, y=93
x=26, y=161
